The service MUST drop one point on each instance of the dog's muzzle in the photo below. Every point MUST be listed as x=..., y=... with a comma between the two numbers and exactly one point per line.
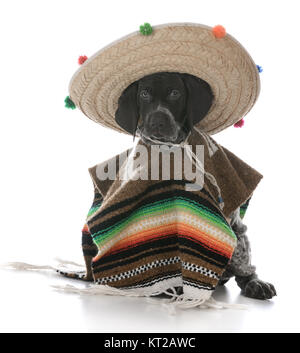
x=161, y=124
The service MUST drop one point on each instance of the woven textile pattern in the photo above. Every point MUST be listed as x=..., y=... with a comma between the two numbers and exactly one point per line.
x=171, y=234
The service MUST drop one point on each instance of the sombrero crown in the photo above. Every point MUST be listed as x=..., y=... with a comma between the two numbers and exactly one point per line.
x=208, y=53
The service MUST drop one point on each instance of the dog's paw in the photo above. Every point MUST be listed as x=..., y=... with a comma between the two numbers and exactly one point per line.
x=258, y=289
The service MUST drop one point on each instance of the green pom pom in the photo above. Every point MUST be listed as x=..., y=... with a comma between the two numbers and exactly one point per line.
x=146, y=29
x=69, y=103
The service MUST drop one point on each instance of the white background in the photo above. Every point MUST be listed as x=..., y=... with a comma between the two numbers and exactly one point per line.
x=46, y=191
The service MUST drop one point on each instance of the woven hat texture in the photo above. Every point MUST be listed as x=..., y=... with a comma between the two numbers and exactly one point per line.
x=176, y=47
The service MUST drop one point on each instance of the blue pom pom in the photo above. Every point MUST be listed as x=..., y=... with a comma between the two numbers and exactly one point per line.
x=220, y=199
x=259, y=68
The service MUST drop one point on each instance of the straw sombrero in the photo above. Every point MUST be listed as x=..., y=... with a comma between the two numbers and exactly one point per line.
x=208, y=53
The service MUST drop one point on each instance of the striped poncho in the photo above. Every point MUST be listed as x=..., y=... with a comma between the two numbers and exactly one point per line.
x=149, y=236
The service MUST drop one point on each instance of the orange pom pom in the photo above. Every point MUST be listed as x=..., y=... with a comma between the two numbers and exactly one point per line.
x=219, y=31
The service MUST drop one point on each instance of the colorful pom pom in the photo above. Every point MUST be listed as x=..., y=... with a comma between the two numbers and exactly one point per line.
x=82, y=59
x=240, y=123
x=219, y=31
x=146, y=29
x=69, y=103
x=259, y=68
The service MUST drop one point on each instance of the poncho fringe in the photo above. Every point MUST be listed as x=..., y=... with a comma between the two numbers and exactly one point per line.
x=154, y=237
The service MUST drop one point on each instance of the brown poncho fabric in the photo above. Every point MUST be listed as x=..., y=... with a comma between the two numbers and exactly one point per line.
x=147, y=236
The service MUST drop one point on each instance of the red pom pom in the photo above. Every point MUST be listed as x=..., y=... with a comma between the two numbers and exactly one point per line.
x=82, y=59
x=240, y=123
x=219, y=31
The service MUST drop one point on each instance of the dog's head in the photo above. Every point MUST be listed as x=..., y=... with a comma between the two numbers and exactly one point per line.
x=164, y=106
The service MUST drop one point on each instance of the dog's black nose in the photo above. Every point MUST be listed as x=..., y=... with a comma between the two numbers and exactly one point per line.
x=159, y=121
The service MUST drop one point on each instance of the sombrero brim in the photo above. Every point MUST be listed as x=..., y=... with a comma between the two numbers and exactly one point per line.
x=177, y=47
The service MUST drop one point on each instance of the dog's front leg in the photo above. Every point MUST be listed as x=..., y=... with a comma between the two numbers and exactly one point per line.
x=240, y=264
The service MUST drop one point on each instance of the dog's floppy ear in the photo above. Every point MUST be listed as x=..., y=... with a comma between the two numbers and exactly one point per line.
x=199, y=99
x=127, y=113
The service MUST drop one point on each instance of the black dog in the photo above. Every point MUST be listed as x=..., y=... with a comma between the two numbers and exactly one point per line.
x=164, y=107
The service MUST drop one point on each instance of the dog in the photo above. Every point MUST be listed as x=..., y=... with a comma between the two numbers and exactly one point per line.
x=163, y=108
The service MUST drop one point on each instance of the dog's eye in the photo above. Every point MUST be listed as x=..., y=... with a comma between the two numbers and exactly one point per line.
x=174, y=93
x=145, y=94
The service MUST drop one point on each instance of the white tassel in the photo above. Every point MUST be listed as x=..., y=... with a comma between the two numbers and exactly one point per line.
x=65, y=263
x=183, y=302
x=23, y=266
x=212, y=303
x=170, y=304
x=96, y=289
x=186, y=303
